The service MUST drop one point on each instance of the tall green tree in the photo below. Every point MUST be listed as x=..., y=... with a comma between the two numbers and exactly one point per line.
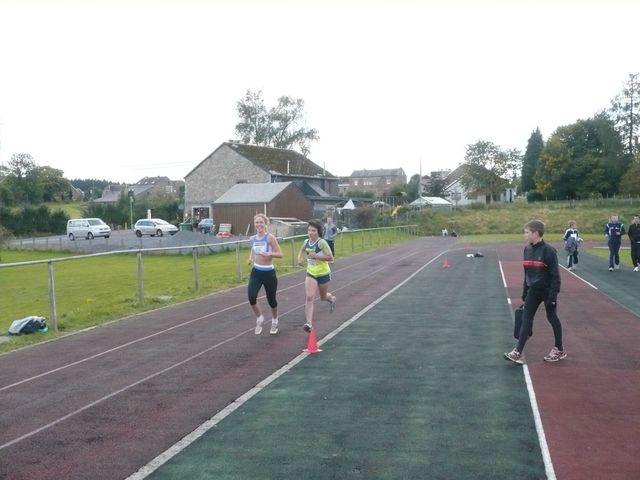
x=581, y=160
x=625, y=111
x=278, y=126
x=20, y=178
x=630, y=183
x=413, y=188
x=55, y=187
x=530, y=161
x=489, y=169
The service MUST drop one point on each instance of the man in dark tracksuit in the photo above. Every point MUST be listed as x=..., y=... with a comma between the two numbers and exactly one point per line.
x=634, y=236
x=614, y=230
x=541, y=284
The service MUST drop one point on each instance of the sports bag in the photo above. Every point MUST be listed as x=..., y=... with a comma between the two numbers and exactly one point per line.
x=517, y=323
x=29, y=324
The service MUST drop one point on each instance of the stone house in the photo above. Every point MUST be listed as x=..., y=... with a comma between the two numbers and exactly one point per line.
x=147, y=187
x=376, y=181
x=236, y=163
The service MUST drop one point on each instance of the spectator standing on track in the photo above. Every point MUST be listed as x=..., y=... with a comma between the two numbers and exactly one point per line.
x=318, y=255
x=541, y=284
x=614, y=230
x=571, y=240
x=634, y=236
x=330, y=234
x=264, y=248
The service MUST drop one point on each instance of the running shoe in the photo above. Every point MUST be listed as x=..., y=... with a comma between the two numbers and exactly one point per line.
x=274, y=327
x=555, y=355
x=514, y=356
x=636, y=269
x=617, y=267
x=611, y=269
x=332, y=305
x=307, y=327
x=259, y=321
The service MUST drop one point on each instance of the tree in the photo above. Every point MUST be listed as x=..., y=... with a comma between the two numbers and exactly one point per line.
x=19, y=177
x=436, y=187
x=630, y=183
x=530, y=161
x=625, y=111
x=581, y=159
x=54, y=186
x=413, y=188
x=489, y=169
x=277, y=127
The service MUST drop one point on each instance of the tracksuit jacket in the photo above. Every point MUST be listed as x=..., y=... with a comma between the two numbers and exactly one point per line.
x=634, y=232
x=541, y=270
x=614, y=231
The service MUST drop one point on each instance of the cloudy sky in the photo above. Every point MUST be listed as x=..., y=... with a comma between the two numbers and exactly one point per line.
x=119, y=90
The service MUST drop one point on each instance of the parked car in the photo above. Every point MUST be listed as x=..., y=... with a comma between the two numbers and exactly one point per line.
x=206, y=225
x=87, y=228
x=153, y=227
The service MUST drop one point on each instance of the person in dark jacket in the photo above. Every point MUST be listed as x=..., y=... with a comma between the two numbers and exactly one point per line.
x=541, y=284
x=614, y=230
x=571, y=241
x=634, y=236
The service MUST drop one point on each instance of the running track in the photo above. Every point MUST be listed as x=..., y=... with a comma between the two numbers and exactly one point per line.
x=102, y=403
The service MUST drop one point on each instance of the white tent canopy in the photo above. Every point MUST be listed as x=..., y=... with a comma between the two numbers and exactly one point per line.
x=434, y=202
x=347, y=206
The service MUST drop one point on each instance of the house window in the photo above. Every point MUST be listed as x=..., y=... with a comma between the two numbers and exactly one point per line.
x=388, y=181
x=355, y=183
x=241, y=181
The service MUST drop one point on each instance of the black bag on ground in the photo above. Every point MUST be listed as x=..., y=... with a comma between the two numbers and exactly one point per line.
x=517, y=324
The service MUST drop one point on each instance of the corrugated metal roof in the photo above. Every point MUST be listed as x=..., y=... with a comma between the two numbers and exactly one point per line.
x=252, y=193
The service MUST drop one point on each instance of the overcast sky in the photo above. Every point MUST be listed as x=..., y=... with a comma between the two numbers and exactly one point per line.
x=121, y=90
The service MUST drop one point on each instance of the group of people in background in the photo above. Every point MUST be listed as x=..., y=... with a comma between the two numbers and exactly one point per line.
x=316, y=253
x=542, y=276
x=614, y=230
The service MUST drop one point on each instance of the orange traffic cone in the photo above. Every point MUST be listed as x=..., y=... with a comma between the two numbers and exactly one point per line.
x=312, y=343
x=445, y=263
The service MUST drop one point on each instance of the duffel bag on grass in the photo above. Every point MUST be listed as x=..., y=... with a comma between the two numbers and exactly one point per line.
x=29, y=324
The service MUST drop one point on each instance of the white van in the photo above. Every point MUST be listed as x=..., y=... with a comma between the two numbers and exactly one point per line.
x=87, y=228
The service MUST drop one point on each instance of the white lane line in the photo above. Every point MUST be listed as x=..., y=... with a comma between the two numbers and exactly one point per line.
x=172, y=451
x=542, y=439
x=147, y=337
x=119, y=391
x=160, y=372
x=579, y=277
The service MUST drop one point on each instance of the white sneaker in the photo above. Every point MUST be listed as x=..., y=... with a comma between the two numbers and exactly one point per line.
x=636, y=269
x=259, y=321
x=274, y=327
x=617, y=267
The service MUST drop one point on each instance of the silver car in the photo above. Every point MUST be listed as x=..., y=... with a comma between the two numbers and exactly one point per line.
x=153, y=227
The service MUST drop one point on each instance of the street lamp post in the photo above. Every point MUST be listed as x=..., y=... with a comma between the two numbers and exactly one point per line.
x=131, y=208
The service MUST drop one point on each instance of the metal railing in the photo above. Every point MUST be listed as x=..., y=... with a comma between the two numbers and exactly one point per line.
x=352, y=238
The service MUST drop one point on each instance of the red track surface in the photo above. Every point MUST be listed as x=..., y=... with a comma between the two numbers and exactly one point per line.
x=102, y=403
x=141, y=384
x=589, y=402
